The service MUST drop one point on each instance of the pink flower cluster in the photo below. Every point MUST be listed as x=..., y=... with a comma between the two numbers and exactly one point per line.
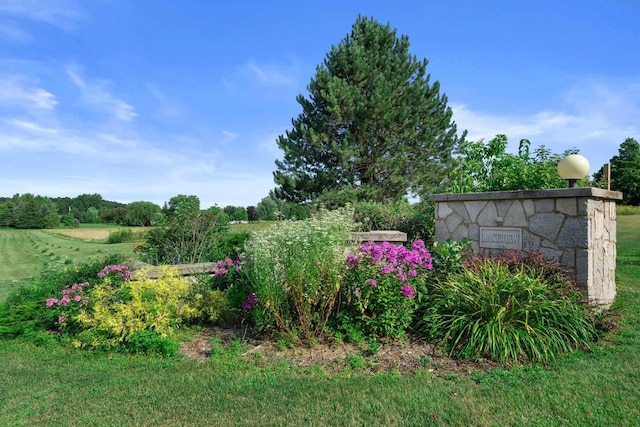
x=71, y=294
x=394, y=259
x=120, y=270
x=222, y=267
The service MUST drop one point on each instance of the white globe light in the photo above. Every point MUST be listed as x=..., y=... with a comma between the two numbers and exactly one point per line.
x=573, y=167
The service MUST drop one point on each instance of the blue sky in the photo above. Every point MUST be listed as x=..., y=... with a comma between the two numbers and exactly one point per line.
x=144, y=100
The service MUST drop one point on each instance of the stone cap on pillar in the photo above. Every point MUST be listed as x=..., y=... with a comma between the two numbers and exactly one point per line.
x=592, y=192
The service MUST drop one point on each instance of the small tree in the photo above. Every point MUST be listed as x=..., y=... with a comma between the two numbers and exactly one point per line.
x=141, y=213
x=187, y=236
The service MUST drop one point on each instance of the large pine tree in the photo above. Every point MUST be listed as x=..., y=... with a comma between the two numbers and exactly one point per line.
x=372, y=122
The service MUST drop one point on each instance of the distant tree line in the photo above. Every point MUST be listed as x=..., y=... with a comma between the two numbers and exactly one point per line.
x=28, y=211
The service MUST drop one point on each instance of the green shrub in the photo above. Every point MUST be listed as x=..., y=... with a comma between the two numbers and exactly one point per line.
x=151, y=342
x=295, y=269
x=117, y=313
x=25, y=307
x=449, y=256
x=492, y=312
x=416, y=220
x=123, y=235
x=380, y=288
x=188, y=236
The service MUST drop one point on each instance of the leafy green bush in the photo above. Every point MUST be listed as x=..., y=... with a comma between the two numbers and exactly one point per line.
x=123, y=235
x=117, y=311
x=490, y=311
x=151, y=342
x=449, y=256
x=188, y=236
x=295, y=269
x=25, y=308
x=380, y=287
x=488, y=167
x=416, y=220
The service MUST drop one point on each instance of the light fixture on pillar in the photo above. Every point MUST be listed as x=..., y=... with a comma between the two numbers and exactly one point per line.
x=574, y=167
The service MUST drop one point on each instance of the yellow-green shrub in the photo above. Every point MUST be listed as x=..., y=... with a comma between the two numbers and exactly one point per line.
x=117, y=313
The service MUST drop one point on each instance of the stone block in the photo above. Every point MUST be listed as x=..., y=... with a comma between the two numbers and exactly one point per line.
x=530, y=242
x=544, y=205
x=568, y=258
x=529, y=207
x=567, y=206
x=515, y=216
x=461, y=211
x=546, y=225
x=443, y=210
x=474, y=208
x=488, y=215
x=574, y=233
x=452, y=222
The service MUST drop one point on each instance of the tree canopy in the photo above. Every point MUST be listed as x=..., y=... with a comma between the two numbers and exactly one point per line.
x=625, y=172
x=487, y=166
x=372, y=122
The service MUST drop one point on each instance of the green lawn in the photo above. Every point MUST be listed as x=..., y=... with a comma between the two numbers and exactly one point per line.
x=23, y=253
x=50, y=385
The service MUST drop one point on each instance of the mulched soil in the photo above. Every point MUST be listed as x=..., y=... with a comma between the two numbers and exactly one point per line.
x=404, y=357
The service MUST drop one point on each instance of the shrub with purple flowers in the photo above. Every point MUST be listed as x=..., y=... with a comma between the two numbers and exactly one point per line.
x=119, y=271
x=381, y=285
x=74, y=298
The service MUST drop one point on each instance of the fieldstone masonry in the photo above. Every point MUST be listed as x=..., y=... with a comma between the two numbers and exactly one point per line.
x=575, y=225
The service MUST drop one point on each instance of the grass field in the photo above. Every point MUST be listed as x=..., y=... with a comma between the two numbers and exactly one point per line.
x=51, y=385
x=23, y=253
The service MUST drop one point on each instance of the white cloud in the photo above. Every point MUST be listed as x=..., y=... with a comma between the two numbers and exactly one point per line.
x=271, y=75
x=96, y=94
x=165, y=107
x=17, y=91
x=595, y=117
x=63, y=14
x=13, y=33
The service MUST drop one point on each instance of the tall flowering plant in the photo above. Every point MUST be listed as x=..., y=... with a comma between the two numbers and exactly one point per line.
x=382, y=283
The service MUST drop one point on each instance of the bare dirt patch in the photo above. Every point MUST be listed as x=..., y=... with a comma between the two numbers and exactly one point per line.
x=405, y=357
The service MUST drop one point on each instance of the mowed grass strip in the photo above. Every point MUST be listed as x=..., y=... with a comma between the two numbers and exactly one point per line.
x=24, y=253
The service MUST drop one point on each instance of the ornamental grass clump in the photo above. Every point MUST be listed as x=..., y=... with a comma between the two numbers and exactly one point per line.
x=295, y=269
x=382, y=286
x=490, y=311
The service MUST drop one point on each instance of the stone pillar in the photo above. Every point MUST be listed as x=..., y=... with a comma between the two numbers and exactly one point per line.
x=575, y=225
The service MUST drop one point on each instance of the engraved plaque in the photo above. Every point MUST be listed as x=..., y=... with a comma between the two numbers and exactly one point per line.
x=501, y=238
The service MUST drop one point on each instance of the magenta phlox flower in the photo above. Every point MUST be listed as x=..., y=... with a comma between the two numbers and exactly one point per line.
x=220, y=272
x=353, y=260
x=417, y=245
x=61, y=319
x=122, y=270
x=250, y=302
x=70, y=293
x=373, y=283
x=407, y=291
x=387, y=269
x=228, y=262
x=412, y=273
